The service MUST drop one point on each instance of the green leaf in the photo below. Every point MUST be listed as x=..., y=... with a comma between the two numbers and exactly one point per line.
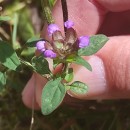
x=69, y=75
x=8, y=57
x=78, y=87
x=32, y=41
x=2, y=80
x=79, y=60
x=52, y=96
x=96, y=43
x=4, y=18
x=40, y=65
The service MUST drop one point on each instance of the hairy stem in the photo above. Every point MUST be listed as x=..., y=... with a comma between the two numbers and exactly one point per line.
x=47, y=11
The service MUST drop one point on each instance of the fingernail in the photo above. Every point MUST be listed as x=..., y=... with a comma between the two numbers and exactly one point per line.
x=96, y=80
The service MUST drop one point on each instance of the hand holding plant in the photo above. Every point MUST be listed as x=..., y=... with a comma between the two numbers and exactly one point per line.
x=64, y=50
x=110, y=64
x=106, y=57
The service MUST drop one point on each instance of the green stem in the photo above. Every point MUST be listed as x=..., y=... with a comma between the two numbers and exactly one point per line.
x=47, y=11
x=65, y=67
x=14, y=33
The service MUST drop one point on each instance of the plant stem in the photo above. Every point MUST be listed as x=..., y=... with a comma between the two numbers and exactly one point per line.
x=65, y=67
x=65, y=12
x=47, y=11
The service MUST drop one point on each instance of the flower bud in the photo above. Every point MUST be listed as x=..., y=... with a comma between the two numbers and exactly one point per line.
x=68, y=24
x=40, y=45
x=52, y=28
x=50, y=54
x=83, y=41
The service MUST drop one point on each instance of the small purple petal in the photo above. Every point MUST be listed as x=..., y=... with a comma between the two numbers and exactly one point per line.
x=40, y=45
x=49, y=54
x=69, y=24
x=52, y=28
x=83, y=41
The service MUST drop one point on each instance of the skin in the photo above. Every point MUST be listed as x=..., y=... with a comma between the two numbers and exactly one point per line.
x=110, y=78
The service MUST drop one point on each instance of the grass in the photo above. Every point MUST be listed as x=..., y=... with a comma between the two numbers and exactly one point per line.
x=87, y=115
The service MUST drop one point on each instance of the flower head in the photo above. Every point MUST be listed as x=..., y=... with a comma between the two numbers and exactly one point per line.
x=52, y=28
x=62, y=46
x=69, y=24
x=40, y=45
x=83, y=41
x=50, y=54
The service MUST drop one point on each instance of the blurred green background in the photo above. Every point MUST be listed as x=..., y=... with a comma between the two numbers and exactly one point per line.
x=27, y=21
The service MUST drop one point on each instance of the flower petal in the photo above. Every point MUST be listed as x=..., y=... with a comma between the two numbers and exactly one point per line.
x=83, y=41
x=69, y=24
x=49, y=54
x=52, y=28
x=40, y=45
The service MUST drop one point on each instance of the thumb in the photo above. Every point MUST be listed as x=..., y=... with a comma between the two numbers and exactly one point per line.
x=110, y=77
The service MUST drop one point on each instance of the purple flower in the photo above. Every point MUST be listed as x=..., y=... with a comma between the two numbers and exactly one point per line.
x=83, y=41
x=50, y=54
x=40, y=45
x=69, y=24
x=52, y=28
